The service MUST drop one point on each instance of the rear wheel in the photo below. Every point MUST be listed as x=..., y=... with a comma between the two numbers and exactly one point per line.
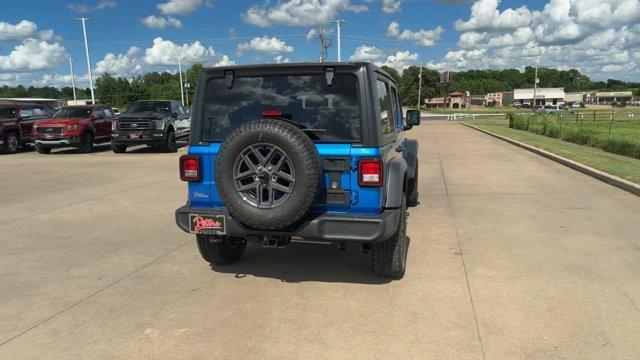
x=86, y=144
x=224, y=252
x=42, y=149
x=390, y=256
x=11, y=143
x=118, y=149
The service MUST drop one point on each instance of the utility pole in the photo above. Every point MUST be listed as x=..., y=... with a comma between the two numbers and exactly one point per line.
x=86, y=50
x=419, y=85
x=338, y=23
x=73, y=81
x=324, y=45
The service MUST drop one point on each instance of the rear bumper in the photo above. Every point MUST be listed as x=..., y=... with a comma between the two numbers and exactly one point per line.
x=321, y=227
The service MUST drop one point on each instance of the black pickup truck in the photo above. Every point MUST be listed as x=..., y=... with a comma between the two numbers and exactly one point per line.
x=150, y=122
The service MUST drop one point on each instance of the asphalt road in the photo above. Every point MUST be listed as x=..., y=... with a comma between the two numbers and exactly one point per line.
x=512, y=257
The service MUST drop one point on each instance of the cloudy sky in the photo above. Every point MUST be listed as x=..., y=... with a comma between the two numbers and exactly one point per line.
x=599, y=37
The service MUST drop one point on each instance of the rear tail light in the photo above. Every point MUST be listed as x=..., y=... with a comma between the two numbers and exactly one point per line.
x=370, y=172
x=190, y=168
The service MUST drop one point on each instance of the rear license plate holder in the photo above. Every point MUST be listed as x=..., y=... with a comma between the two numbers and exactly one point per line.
x=207, y=224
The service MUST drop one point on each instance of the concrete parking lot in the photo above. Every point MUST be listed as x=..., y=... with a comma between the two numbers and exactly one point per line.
x=512, y=257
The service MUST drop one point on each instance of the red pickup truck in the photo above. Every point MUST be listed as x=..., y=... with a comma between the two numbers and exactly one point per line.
x=16, y=121
x=74, y=126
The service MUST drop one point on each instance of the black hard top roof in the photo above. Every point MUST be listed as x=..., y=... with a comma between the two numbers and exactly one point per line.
x=295, y=67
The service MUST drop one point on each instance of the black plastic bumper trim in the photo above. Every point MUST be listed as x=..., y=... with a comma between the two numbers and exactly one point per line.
x=322, y=227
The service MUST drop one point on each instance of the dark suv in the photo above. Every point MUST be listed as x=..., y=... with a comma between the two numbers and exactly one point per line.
x=16, y=122
x=151, y=122
x=300, y=151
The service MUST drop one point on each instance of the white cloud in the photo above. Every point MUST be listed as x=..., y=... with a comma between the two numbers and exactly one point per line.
x=367, y=53
x=224, y=61
x=486, y=16
x=298, y=12
x=33, y=55
x=84, y=8
x=313, y=33
x=519, y=37
x=121, y=64
x=22, y=30
x=264, y=44
x=25, y=29
x=181, y=7
x=425, y=38
x=630, y=66
x=165, y=52
x=471, y=40
x=160, y=22
x=400, y=60
x=279, y=59
x=391, y=6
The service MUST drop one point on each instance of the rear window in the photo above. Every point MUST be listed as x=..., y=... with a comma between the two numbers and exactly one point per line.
x=332, y=111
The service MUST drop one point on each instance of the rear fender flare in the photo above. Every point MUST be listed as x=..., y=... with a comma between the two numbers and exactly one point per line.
x=411, y=157
x=395, y=181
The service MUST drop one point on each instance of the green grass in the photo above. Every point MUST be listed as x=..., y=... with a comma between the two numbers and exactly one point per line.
x=622, y=166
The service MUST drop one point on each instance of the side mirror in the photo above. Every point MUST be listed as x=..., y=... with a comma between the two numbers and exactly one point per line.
x=98, y=116
x=413, y=118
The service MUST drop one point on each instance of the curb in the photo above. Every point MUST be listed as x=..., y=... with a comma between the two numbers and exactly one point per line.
x=618, y=182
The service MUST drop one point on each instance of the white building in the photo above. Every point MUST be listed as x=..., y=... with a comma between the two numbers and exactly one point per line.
x=609, y=97
x=543, y=96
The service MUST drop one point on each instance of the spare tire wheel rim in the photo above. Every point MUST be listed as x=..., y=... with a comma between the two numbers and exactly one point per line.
x=263, y=175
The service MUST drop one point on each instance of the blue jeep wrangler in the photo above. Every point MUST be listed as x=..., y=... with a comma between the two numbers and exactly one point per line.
x=300, y=151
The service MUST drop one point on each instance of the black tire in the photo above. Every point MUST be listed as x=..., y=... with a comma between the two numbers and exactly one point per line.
x=11, y=143
x=86, y=143
x=304, y=159
x=228, y=251
x=118, y=149
x=42, y=149
x=170, y=144
x=413, y=186
x=390, y=256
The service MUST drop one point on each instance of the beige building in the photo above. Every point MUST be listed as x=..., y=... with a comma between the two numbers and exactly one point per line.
x=495, y=98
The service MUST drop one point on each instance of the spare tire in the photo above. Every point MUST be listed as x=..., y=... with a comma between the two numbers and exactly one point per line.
x=268, y=174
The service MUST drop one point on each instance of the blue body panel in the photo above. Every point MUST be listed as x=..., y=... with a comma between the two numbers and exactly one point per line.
x=364, y=200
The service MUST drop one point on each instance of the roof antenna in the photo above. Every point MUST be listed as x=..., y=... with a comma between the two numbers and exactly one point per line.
x=325, y=44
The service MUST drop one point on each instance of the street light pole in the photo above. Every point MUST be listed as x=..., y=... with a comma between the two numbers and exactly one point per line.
x=535, y=87
x=181, y=86
x=338, y=23
x=86, y=50
x=419, y=85
x=73, y=81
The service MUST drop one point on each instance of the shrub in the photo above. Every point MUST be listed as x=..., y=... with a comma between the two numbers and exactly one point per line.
x=578, y=136
x=552, y=130
x=520, y=123
x=511, y=116
x=622, y=147
x=537, y=127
